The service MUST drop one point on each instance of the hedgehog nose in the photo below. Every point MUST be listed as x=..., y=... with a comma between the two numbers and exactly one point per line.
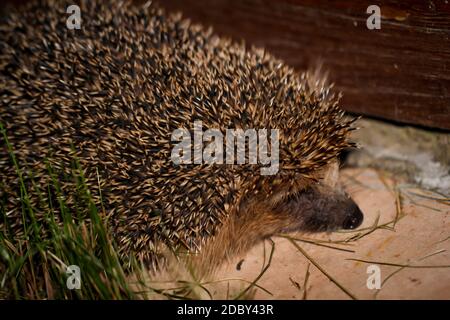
x=354, y=217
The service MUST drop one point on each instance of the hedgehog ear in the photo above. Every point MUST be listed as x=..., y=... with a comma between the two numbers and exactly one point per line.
x=331, y=175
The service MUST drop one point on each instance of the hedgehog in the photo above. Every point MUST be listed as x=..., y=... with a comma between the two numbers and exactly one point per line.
x=112, y=93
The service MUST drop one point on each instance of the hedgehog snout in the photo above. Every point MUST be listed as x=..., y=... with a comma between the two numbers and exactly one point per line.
x=354, y=217
x=317, y=209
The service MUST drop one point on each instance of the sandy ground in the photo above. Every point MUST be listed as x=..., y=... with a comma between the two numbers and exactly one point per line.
x=403, y=225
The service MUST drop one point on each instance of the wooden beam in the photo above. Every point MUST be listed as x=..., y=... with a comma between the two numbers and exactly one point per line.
x=400, y=72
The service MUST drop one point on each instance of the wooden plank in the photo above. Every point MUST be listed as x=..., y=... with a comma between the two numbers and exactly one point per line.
x=400, y=72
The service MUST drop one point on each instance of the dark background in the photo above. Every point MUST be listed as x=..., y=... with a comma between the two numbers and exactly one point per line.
x=400, y=72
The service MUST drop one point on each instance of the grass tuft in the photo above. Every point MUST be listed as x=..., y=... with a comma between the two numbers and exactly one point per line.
x=35, y=254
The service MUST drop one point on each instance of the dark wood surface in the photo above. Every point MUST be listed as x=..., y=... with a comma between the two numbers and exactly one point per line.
x=400, y=73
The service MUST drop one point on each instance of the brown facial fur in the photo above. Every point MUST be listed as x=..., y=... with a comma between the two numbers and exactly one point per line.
x=322, y=206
